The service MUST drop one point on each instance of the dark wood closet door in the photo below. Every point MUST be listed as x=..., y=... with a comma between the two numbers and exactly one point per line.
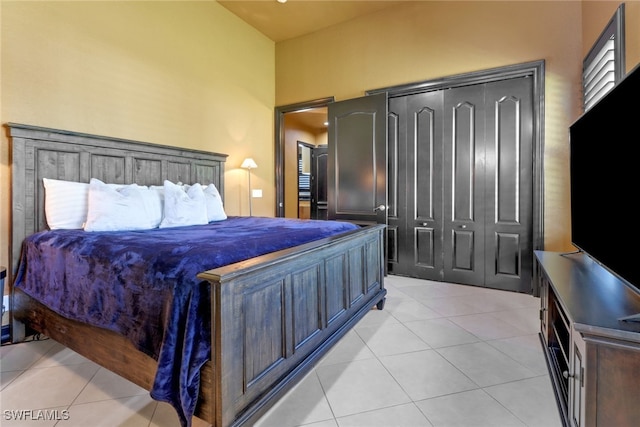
x=509, y=184
x=461, y=185
x=415, y=125
x=464, y=185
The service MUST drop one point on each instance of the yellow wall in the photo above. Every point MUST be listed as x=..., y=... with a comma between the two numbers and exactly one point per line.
x=187, y=74
x=426, y=40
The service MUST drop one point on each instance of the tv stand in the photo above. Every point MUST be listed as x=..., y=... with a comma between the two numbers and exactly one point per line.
x=592, y=353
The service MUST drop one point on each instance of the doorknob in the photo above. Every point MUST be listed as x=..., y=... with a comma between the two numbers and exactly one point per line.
x=380, y=208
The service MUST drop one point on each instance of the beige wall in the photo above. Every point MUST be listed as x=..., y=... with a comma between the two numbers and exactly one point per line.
x=426, y=40
x=187, y=74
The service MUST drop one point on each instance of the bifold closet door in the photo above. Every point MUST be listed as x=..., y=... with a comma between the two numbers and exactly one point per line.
x=488, y=156
x=460, y=184
x=415, y=191
x=464, y=185
x=509, y=184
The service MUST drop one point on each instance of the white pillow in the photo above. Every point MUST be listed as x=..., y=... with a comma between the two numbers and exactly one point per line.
x=126, y=207
x=183, y=207
x=65, y=203
x=215, y=209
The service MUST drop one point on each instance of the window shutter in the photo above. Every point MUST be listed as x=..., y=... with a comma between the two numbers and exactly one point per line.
x=604, y=65
x=600, y=75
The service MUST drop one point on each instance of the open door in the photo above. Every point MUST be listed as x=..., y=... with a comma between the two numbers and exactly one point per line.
x=357, y=160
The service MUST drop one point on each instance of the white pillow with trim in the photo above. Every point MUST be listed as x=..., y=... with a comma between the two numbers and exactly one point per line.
x=65, y=203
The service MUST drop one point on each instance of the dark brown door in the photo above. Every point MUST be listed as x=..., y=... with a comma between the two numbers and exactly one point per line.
x=464, y=185
x=488, y=146
x=415, y=185
x=357, y=161
x=319, y=182
x=509, y=184
x=461, y=184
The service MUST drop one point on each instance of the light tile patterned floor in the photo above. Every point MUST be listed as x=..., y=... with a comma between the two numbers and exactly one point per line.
x=439, y=354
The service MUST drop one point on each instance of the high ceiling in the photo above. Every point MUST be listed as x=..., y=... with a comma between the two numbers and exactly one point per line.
x=282, y=21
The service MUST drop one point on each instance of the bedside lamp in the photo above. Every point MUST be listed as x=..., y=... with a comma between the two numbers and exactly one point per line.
x=249, y=164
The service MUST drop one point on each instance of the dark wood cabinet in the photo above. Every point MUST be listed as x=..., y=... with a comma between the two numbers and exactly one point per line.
x=593, y=354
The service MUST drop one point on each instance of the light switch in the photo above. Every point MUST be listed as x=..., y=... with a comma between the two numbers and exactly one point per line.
x=256, y=194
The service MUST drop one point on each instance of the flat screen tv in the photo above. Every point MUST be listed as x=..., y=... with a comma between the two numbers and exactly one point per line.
x=605, y=180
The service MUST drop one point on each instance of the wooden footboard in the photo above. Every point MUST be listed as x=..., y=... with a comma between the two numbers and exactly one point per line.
x=273, y=317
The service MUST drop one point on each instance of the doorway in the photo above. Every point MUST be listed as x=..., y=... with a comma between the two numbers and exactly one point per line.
x=306, y=122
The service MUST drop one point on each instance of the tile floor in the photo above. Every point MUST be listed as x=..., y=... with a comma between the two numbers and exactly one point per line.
x=439, y=354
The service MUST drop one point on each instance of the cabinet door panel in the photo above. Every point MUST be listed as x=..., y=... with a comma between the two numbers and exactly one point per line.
x=577, y=392
x=618, y=376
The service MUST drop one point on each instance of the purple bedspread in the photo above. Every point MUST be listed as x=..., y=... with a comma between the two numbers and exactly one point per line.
x=143, y=285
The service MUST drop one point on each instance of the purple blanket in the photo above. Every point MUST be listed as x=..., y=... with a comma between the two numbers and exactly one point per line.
x=143, y=285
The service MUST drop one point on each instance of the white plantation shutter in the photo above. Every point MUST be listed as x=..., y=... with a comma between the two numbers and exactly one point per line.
x=600, y=76
x=604, y=65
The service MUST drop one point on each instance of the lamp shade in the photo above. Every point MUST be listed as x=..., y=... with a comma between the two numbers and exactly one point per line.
x=248, y=164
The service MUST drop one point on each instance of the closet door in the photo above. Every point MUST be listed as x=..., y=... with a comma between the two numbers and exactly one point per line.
x=509, y=184
x=464, y=185
x=415, y=125
x=461, y=184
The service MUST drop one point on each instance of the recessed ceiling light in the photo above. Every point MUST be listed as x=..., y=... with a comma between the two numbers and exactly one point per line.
x=282, y=1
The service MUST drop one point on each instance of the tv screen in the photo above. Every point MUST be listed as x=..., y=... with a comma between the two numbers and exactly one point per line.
x=605, y=180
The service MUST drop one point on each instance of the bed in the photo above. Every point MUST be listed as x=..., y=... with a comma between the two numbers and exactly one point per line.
x=316, y=291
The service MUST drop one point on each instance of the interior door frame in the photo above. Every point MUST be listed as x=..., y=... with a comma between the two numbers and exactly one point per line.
x=535, y=70
x=279, y=143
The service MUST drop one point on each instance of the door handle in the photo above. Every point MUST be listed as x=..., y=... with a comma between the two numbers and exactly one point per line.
x=380, y=208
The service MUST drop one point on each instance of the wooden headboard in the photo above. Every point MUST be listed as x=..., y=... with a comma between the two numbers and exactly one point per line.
x=38, y=153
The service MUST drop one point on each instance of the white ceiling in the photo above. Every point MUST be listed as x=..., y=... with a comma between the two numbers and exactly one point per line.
x=294, y=18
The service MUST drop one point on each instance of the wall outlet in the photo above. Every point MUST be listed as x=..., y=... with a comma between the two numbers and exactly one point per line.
x=256, y=194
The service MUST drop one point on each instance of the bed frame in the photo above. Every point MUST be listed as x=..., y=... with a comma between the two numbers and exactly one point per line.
x=272, y=316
